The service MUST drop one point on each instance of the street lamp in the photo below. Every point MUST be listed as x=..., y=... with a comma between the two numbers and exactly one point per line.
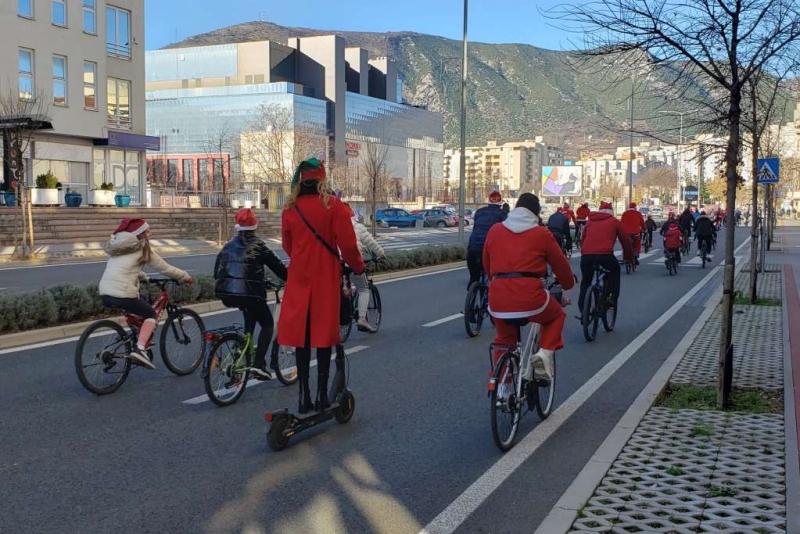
x=463, y=163
x=680, y=153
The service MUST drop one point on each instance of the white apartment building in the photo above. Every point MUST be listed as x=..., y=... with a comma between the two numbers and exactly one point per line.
x=86, y=59
x=512, y=168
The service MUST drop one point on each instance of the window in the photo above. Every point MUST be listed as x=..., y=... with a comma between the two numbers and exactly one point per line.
x=188, y=174
x=90, y=16
x=60, y=12
x=89, y=85
x=119, y=103
x=118, y=32
x=26, y=85
x=25, y=8
x=60, y=80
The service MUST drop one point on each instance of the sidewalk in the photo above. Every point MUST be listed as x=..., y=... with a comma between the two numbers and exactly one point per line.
x=682, y=466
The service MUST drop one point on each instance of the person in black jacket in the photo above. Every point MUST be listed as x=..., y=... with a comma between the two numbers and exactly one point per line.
x=240, y=283
x=705, y=230
x=686, y=222
x=482, y=221
x=651, y=227
x=558, y=224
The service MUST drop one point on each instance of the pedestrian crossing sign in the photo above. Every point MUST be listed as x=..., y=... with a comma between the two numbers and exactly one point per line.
x=768, y=170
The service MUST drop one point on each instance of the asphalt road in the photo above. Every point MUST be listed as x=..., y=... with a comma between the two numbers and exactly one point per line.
x=22, y=279
x=143, y=460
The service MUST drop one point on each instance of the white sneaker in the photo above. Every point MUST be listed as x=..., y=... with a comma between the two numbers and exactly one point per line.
x=543, y=364
x=140, y=356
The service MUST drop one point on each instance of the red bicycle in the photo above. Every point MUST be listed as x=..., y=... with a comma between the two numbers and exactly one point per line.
x=101, y=357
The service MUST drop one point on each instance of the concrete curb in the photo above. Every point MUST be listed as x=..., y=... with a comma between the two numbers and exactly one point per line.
x=565, y=511
x=790, y=418
x=29, y=337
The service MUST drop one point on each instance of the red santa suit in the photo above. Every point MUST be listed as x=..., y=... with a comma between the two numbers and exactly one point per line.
x=634, y=224
x=515, y=258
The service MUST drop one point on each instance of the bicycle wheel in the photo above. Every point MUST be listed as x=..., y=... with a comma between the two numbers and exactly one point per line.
x=228, y=370
x=608, y=322
x=345, y=329
x=545, y=393
x=101, y=357
x=473, y=314
x=183, y=341
x=505, y=405
x=284, y=363
x=589, y=315
x=374, y=312
x=276, y=437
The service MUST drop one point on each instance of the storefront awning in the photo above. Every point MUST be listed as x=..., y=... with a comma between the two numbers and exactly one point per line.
x=130, y=141
x=27, y=122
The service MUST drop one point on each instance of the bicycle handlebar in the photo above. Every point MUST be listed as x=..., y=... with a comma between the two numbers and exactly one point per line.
x=163, y=282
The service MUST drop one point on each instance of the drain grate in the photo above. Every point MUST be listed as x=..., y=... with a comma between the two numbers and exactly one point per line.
x=694, y=471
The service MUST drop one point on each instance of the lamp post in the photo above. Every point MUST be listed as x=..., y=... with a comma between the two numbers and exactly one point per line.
x=463, y=162
x=630, y=159
x=680, y=154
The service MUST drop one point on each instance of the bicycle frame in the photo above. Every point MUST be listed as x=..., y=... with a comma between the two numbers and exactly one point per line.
x=162, y=302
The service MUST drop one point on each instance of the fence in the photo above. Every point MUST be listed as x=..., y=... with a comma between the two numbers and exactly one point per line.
x=171, y=198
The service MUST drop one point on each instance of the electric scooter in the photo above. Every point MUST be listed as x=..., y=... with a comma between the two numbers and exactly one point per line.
x=284, y=424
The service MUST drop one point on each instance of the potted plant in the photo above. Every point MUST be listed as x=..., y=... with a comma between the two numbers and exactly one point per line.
x=102, y=196
x=45, y=193
x=122, y=201
x=10, y=197
x=73, y=199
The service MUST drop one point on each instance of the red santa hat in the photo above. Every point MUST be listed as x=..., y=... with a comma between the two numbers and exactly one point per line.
x=606, y=207
x=495, y=198
x=246, y=220
x=632, y=205
x=133, y=226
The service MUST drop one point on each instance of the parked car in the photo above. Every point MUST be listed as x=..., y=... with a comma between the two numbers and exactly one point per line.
x=656, y=212
x=397, y=217
x=439, y=218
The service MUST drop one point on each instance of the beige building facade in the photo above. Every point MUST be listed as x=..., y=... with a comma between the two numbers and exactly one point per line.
x=85, y=59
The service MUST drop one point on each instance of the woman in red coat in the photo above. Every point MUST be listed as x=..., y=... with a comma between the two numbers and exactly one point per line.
x=315, y=226
x=516, y=256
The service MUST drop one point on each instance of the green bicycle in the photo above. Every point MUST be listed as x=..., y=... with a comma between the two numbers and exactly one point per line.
x=226, y=369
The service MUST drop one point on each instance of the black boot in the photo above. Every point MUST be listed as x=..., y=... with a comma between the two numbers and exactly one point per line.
x=322, y=397
x=305, y=397
x=323, y=369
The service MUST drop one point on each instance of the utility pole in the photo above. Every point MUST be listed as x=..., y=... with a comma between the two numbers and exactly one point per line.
x=463, y=162
x=630, y=160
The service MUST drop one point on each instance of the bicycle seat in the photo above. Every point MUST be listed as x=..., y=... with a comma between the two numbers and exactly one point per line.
x=598, y=267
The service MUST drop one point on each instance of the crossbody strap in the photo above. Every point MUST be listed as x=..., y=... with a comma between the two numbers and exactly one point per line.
x=316, y=234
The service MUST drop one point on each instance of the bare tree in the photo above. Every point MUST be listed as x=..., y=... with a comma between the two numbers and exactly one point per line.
x=21, y=116
x=722, y=44
x=373, y=165
x=611, y=188
x=275, y=145
x=222, y=148
x=658, y=181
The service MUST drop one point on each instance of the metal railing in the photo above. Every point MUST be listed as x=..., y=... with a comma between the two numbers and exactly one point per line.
x=172, y=198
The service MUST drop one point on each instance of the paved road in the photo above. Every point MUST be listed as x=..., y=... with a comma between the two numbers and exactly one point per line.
x=21, y=279
x=142, y=460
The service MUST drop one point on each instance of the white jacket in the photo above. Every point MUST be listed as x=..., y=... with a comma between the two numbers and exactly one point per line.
x=366, y=243
x=122, y=274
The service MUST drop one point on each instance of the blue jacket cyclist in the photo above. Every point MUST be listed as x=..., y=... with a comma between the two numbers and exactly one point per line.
x=483, y=220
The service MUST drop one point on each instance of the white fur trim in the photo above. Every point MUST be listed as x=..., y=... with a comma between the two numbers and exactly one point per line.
x=610, y=212
x=519, y=315
x=245, y=228
x=142, y=229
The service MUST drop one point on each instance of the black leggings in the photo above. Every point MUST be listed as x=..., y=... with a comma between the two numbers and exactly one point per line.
x=138, y=306
x=255, y=310
x=474, y=265
x=304, y=361
x=608, y=261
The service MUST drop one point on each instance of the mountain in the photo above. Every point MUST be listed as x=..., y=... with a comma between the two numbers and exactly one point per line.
x=515, y=91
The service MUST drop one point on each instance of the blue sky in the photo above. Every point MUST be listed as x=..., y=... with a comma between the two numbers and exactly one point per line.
x=491, y=21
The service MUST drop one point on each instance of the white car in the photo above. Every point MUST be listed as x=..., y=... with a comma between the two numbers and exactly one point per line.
x=656, y=212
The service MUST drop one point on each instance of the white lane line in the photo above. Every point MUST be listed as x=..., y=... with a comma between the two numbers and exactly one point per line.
x=253, y=382
x=413, y=276
x=465, y=504
x=444, y=320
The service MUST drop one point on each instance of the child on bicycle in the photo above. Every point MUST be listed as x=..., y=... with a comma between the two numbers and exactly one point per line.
x=129, y=248
x=367, y=245
x=673, y=239
x=240, y=283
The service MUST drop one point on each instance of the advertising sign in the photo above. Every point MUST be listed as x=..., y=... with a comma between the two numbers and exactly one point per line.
x=562, y=181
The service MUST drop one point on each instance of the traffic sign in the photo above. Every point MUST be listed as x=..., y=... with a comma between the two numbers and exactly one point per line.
x=768, y=170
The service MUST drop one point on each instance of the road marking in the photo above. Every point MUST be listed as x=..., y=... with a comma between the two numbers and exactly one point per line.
x=413, y=276
x=253, y=382
x=465, y=504
x=444, y=320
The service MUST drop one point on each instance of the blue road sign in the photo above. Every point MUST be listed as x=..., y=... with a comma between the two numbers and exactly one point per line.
x=768, y=170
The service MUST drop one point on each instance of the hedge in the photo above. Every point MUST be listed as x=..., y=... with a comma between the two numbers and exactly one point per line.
x=68, y=303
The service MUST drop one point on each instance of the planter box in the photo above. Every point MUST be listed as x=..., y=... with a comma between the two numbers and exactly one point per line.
x=10, y=199
x=235, y=203
x=98, y=197
x=73, y=200
x=44, y=197
x=122, y=201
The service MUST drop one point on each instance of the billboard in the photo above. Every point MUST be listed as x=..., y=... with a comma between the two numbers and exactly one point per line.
x=562, y=181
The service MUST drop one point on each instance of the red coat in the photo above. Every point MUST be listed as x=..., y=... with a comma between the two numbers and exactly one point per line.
x=314, y=273
x=633, y=221
x=570, y=215
x=521, y=245
x=673, y=237
x=583, y=213
x=601, y=233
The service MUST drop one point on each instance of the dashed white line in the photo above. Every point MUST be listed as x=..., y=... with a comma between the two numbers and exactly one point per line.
x=253, y=382
x=443, y=320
